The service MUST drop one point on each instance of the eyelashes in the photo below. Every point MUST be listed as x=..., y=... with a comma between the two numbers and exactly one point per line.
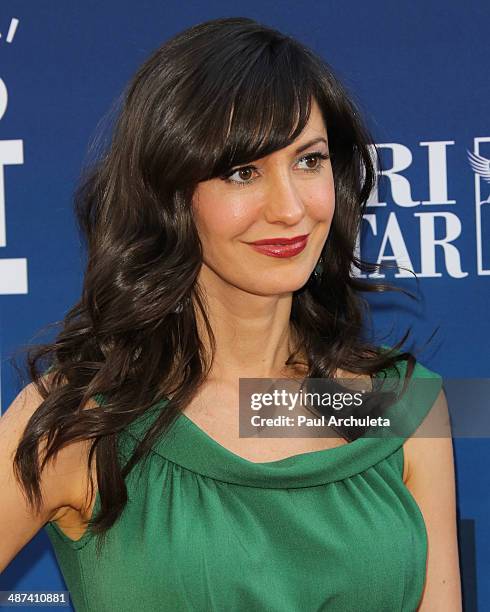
x=315, y=155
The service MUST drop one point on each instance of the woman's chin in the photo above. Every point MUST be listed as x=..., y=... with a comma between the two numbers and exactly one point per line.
x=277, y=286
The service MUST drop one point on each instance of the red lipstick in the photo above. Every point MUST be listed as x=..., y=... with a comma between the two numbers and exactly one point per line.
x=280, y=247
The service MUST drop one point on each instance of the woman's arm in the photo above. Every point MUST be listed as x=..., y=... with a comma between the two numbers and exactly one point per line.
x=62, y=482
x=430, y=479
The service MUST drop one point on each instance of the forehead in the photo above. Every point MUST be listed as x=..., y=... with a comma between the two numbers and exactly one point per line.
x=316, y=121
x=315, y=127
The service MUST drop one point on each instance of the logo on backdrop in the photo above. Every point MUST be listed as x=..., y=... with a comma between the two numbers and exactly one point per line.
x=439, y=223
x=481, y=168
x=13, y=271
x=11, y=31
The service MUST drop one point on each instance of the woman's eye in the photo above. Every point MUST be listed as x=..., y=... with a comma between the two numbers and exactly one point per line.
x=313, y=161
x=244, y=176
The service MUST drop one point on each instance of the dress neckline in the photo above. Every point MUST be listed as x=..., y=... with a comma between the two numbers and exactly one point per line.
x=223, y=450
x=235, y=457
x=190, y=447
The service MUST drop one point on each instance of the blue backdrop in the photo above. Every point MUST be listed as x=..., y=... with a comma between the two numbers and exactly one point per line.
x=418, y=71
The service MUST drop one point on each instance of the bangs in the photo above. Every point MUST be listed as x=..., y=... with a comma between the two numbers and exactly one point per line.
x=266, y=110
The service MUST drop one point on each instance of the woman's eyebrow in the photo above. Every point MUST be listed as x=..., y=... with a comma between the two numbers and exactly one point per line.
x=310, y=143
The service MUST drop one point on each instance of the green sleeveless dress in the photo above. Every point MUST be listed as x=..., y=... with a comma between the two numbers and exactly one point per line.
x=206, y=530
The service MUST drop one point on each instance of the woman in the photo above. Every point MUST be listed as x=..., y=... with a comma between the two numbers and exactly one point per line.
x=230, y=135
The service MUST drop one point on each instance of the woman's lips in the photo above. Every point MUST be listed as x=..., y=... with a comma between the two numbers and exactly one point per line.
x=281, y=250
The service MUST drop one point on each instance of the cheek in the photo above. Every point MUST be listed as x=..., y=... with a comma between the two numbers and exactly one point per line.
x=321, y=202
x=223, y=218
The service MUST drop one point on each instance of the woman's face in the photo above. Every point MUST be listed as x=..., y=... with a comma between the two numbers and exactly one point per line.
x=286, y=194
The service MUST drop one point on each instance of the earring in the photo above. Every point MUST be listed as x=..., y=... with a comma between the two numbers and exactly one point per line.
x=179, y=308
x=317, y=272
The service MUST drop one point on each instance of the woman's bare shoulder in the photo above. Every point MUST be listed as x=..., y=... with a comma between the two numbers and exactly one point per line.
x=65, y=477
x=433, y=431
x=63, y=483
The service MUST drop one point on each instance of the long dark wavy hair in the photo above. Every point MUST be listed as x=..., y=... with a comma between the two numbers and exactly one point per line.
x=222, y=93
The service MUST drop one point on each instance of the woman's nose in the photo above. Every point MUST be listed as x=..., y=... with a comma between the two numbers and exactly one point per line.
x=283, y=201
